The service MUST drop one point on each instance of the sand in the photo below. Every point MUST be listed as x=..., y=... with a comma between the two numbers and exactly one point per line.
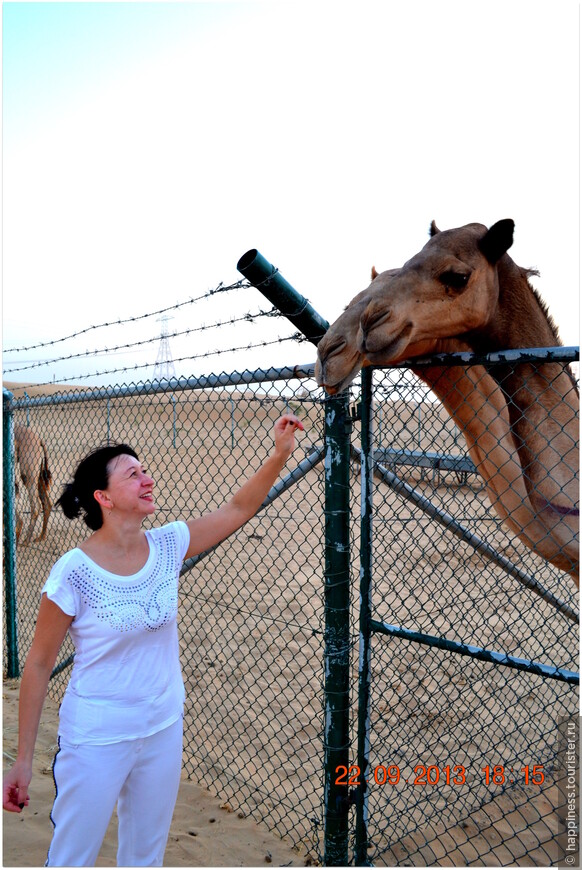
x=205, y=832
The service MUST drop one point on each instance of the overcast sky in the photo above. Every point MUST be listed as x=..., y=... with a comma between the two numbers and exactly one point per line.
x=147, y=146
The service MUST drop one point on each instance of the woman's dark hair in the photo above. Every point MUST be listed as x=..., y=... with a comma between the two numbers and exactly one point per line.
x=91, y=474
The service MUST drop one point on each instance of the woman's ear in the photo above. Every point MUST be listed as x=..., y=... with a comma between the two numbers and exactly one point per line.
x=102, y=499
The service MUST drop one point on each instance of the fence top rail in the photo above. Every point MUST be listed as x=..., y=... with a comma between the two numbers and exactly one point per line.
x=498, y=357
x=204, y=382
x=285, y=373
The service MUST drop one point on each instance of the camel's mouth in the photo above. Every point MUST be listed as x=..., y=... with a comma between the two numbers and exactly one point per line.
x=335, y=386
x=335, y=372
x=382, y=350
x=334, y=389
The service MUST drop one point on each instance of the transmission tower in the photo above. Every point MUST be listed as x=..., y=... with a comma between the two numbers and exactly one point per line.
x=164, y=367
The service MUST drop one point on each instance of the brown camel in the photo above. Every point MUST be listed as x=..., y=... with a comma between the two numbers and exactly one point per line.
x=464, y=285
x=32, y=459
x=481, y=408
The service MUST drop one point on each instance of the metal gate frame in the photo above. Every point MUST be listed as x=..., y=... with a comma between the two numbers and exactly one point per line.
x=368, y=625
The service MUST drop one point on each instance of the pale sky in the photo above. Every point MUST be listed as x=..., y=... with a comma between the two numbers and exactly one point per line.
x=147, y=146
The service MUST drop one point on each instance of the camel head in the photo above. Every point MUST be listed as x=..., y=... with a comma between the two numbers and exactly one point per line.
x=450, y=288
x=338, y=358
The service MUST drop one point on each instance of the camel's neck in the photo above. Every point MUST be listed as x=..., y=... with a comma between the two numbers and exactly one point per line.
x=520, y=319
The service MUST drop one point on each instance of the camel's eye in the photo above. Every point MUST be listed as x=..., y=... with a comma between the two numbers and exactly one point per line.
x=455, y=280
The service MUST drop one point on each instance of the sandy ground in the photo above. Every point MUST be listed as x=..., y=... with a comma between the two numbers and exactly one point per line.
x=265, y=681
x=205, y=831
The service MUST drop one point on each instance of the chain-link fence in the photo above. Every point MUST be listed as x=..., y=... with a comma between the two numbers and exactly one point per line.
x=463, y=756
x=250, y=611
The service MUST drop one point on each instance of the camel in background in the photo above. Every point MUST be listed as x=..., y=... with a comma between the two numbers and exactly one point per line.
x=520, y=423
x=32, y=459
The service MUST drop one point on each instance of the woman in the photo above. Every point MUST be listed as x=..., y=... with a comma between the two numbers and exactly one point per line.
x=120, y=722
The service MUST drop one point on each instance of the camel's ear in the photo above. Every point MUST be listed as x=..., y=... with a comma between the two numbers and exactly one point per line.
x=434, y=230
x=497, y=240
x=374, y=273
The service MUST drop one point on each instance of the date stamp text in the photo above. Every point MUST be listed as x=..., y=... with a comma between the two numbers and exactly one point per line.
x=434, y=774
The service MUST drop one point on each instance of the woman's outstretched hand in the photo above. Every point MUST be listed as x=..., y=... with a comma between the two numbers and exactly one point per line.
x=284, y=434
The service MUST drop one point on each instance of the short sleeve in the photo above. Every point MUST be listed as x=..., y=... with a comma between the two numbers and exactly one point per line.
x=182, y=533
x=58, y=590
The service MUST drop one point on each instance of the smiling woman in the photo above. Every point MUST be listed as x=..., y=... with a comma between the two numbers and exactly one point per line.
x=120, y=722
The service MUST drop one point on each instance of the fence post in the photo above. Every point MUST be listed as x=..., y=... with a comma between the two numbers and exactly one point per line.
x=367, y=464
x=297, y=309
x=12, y=664
x=337, y=627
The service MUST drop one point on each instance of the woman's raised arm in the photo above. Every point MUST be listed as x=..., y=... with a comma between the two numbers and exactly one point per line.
x=208, y=530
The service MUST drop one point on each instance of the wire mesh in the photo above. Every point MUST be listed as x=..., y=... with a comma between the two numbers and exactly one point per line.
x=464, y=755
x=250, y=611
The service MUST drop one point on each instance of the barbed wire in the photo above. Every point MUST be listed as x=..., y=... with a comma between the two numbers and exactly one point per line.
x=298, y=337
x=133, y=347
x=220, y=288
x=248, y=318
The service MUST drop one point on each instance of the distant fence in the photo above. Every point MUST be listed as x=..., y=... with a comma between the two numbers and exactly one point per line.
x=464, y=758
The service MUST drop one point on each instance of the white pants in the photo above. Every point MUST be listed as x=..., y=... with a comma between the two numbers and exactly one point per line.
x=141, y=776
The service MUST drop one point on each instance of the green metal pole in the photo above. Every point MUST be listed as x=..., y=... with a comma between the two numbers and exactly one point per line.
x=12, y=664
x=297, y=309
x=173, y=398
x=266, y=278
x=337, y=629
x=366, y=540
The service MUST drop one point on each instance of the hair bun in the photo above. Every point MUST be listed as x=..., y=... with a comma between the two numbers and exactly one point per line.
x=70, y=502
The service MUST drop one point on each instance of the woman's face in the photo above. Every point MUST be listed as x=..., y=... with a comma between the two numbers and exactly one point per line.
x=129, y=486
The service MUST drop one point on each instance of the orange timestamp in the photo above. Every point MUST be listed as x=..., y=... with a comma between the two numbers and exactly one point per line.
x=434, y=774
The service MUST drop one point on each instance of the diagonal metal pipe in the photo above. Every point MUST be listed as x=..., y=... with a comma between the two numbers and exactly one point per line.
x=266, y=278
x=456, y=528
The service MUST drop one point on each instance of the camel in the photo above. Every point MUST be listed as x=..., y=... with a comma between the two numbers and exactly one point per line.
x=464, y=285
x=32, y=459
x=511, y=420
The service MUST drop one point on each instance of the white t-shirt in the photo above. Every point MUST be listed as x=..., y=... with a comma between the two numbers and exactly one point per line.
x=126, y=680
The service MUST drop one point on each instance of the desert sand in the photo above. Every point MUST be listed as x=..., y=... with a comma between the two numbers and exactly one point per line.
x=205, y=832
